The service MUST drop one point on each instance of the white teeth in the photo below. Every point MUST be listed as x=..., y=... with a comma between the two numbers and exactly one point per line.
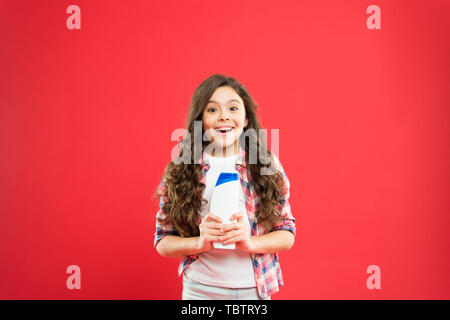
x=224, y=129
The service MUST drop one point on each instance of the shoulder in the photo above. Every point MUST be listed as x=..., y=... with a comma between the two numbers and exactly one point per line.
x=162, y=187
x=279, y=167
x=277, y=163
x=275, y=158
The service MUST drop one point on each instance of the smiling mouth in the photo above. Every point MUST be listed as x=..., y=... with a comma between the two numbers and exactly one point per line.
x=224, y=130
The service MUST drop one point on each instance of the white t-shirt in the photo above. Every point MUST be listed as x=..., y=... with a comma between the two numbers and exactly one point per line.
x=222, y=267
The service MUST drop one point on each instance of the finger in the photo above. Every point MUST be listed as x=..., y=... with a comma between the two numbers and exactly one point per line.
x=237, y=238
x=231, y=234
x=212, y=217
x=231, y=226
x=213, y=225
x=214, y=232
x=212, y=238
x=238, y=215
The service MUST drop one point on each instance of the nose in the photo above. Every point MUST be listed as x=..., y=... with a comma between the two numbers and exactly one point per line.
x=224, y=115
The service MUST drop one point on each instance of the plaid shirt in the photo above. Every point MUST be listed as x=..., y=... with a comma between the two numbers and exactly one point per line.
x=267, y=268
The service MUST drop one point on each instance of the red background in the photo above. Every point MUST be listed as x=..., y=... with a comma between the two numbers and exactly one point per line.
x=86, y=117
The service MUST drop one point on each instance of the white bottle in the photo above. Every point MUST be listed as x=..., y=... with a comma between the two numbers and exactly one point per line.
x=224, y=201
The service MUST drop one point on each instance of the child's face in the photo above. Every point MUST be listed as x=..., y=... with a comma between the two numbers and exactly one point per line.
x=225, y=110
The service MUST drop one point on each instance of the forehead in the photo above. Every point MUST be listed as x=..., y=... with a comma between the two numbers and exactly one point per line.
x=224, y=95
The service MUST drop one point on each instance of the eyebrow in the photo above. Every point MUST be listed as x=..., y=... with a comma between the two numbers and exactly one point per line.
x=213, y=101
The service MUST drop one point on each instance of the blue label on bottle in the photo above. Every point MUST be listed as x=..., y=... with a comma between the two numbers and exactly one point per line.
x=226, y=177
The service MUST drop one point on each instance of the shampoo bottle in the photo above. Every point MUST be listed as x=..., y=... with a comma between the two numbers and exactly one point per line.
x=224, y=201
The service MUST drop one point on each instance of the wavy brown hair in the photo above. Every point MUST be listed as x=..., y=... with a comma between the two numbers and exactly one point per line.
x=184, y=190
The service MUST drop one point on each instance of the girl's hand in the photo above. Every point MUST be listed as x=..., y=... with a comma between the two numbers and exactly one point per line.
x=209, y=231
x=237, y=232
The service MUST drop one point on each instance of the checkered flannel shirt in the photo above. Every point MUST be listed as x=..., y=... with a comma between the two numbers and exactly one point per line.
x=266, y=266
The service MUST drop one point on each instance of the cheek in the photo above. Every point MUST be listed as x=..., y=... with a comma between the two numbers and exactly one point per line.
x=205, y=126
x=241, y=122
x=207, y=123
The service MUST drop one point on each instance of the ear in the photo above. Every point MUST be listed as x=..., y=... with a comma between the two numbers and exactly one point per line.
x=245, y=122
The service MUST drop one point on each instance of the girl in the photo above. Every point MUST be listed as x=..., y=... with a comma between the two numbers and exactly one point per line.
x=263, y=224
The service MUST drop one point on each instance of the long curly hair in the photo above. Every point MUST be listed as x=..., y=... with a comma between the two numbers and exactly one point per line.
x=184, y=191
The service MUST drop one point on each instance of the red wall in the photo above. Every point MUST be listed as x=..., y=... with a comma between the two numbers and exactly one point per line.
x=86, y=117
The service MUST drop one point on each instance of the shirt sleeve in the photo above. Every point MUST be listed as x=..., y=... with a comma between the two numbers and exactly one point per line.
x=288, y=221
x=163, y=230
